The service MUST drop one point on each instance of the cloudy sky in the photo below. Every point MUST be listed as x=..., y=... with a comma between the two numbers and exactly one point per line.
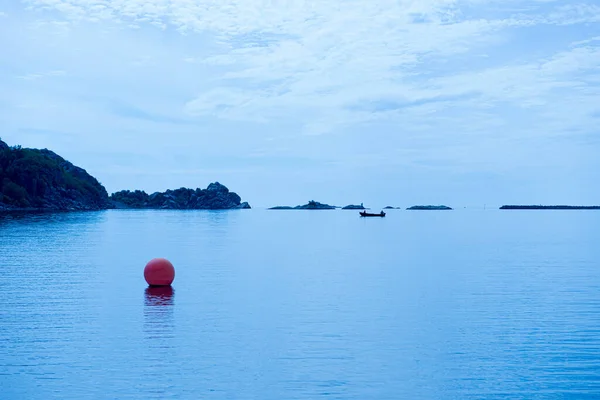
x=461, y=102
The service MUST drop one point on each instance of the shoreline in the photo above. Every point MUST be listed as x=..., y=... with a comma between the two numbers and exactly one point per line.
x=12, y=210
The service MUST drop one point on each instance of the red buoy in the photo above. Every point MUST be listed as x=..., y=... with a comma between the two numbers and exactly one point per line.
x=159, y=272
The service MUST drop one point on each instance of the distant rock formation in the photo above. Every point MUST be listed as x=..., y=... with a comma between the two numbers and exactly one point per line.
x=311, y=205
x=215, y=197
x=315, y=205
x=354, y=207
x=33, y=179
x=389, y=208
x=429, y=208
x=539, y=207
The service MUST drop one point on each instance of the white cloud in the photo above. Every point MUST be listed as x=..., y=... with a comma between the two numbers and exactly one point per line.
x=587, y=41
x=319, y=58
x=36, y=76
x=324, y=60
x=575, y=14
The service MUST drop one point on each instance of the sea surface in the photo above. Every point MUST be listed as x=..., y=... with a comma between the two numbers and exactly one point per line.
x=463, y=304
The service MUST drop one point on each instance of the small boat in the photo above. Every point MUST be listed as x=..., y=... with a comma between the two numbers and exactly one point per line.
x=366, y=214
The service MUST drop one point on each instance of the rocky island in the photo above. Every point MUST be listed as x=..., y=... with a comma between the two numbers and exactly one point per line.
x=215, y=197
x=539, y=207
x=429, y=208
x=311, y=205
x=33, y=179
x=354, y=207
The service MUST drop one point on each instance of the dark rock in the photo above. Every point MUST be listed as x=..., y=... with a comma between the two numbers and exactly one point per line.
x=217, y=187
x=127, y=199
x=354, y=207
x=311, y=205
x=43, y=180
x=389, y=208
x=429, y=208
x=215, y=197
x=315, y=205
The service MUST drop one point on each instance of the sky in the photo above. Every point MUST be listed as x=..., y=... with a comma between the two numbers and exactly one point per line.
x=386, y=102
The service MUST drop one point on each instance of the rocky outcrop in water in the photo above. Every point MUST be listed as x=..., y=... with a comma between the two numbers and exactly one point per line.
x=354, y=207
x=43, y=180
x=311, y=205
x=215, y=197
x=429, y=208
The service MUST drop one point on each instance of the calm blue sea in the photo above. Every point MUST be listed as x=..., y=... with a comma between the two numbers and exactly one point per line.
x=463, y=304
